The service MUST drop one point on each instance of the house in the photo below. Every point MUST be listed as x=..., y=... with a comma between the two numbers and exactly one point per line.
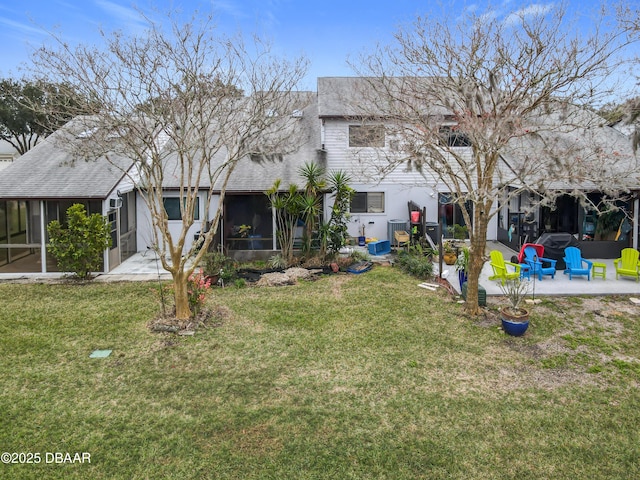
x=45, y=181
x=247, y=225
x=40, y=185
x=585, y=140
x=363, y=145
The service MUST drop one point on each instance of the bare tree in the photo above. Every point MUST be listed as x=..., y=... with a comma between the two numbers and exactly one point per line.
x=185, y=105
x=490, y=108
x=628, y=112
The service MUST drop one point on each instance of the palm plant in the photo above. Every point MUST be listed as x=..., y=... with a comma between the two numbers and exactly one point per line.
x=515, y=290
x=287, y=206
x=311, y=201
x=343, y=193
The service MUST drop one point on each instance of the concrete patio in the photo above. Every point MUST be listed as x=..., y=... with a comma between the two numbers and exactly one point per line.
x=560, y=285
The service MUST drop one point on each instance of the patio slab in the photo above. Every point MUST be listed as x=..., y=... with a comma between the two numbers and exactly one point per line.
x=560, y=285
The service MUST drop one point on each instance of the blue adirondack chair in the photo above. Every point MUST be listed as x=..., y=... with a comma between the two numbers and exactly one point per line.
x=576, y=264
x=537, y=264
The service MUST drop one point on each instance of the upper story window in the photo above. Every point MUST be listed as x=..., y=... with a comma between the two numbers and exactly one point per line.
x=451, y=137
x=367, y=202
x=366, y=135
x=172, y=207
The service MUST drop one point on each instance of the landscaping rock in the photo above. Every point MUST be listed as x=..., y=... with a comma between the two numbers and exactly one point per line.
x=289, y=277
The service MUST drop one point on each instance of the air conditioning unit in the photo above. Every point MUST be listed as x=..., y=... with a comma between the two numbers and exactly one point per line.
x=115, y=203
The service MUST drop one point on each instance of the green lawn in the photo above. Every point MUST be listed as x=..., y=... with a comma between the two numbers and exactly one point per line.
x=350, y=376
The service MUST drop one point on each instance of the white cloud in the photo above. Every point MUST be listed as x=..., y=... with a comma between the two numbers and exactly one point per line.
x=126, y=16
x=228, y=8
x=20, y=27
x=534, y=10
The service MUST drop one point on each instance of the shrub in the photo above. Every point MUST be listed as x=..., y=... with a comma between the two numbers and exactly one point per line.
x=420, y=266
x=79, y=245
x=197, y=287
x=213, y=262
x=359, y=256
x=277, y=262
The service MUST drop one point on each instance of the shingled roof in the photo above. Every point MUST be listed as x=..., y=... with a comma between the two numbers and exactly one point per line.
x=48, y=171
x=257, y=174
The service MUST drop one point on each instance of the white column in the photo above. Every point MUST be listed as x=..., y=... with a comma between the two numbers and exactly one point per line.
x=43, y=237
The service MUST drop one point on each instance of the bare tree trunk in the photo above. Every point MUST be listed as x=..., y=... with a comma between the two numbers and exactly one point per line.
x=478, y=236
x=181, y=294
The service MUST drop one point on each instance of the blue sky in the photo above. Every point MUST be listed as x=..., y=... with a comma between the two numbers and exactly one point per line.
x=326, y=31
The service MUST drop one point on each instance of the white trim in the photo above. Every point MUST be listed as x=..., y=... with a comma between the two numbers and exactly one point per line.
x=43, y=237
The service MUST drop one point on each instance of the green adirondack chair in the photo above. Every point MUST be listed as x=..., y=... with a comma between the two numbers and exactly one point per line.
x=627, y=265
x=500, y=268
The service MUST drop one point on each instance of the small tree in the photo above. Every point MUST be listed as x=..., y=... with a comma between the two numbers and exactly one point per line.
x=295, y=205
x=79, y=245
x=288, y=209
x=311, y=202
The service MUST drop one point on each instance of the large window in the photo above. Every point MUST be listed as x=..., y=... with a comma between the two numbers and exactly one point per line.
x=366, y=135
x=172, y=207
x=367, y=202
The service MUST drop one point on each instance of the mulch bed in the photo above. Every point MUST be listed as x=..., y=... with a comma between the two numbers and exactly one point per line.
x=206, y=318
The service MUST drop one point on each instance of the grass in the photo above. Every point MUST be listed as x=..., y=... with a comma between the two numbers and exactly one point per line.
x=350, y=376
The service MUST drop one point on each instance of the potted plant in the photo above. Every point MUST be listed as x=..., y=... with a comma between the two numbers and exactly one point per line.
x=449, y=253
x=515, y=318
x=462, y=265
